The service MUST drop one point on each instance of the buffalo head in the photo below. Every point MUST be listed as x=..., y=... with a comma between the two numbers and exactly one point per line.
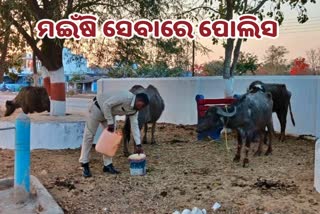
x=213, y=118
x=10, y=108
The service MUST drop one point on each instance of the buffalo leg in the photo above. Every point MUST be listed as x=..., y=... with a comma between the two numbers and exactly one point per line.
x=145, y=140
x=247, y=149
x=261, y=139
x=265, y=138
x=282, y=116
x=126, y=152
x=126, y=137
x=270, y=133
x=239, y=147
x=153, y=141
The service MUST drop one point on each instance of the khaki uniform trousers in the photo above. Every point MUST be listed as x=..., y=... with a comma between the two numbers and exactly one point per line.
x=95, y=118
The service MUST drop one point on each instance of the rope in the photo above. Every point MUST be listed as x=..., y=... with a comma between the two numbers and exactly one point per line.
x=226, y=140
x=225, y=132
x=227, y=145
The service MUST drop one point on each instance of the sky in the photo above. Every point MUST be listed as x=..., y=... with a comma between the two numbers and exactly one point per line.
x=297, y=38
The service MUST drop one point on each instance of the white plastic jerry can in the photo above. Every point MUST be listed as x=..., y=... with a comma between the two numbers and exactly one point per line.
x=317, y=167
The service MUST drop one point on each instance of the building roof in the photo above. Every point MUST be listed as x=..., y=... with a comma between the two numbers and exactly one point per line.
x=87, y=79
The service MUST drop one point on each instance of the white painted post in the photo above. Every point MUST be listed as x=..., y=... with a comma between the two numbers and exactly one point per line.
x=58, y=93
x=228, y=87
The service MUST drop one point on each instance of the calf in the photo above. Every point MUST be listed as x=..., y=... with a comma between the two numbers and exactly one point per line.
x=30, y=99
x=281, y=101
x=249, y=115
x=149, y=114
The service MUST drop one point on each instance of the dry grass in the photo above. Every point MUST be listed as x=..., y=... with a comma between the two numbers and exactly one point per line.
x=182, y=174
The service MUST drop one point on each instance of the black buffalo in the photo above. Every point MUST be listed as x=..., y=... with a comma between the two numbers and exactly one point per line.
x=248, y=116
x=149, y=114
x=281, y=101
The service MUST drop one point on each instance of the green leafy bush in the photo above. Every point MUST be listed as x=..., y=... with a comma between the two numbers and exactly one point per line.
x=146, y=71
x=122, y=72
x=159, y=70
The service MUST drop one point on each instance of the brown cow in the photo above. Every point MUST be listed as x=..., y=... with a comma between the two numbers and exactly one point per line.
x=30, y=99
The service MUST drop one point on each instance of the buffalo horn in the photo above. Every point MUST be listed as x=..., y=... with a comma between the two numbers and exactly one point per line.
x=221, y=112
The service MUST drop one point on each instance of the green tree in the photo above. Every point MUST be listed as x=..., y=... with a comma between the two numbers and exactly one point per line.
x=12, y=48
x=21, y=13
x=275, y=60
x=227, y=9
x=107, y=53
x=159, y=69
x=24, y=14
x=129, y=51
x=213, y=68
x=247, y=62
x=275, y=55
x=4, y=42
x=313, y=58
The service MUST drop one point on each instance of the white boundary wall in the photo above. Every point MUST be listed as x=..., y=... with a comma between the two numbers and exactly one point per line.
x=47, y=135
x=179, y=96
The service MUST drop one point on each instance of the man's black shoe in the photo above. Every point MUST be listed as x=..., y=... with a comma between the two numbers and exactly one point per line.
x=110, y=169
x=86, y=170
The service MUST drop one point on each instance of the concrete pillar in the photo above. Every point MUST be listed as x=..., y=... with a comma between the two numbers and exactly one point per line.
x=22, y=153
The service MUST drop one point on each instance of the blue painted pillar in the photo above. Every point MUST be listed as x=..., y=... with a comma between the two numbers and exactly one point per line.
x=22, y=152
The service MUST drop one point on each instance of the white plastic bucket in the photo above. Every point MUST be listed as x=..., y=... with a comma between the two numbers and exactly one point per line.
x=138, y=164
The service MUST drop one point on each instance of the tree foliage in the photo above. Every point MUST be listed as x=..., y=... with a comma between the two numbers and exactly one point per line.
x=160, y=69
x=275, y=60
x=213, y=68
x=12, y=47
x=23, y=14
x=247, y=62
x=228, y=9
x=275, y=55
x=107, y=53
x=155, y=70
x=299, y=67
x=313, y=58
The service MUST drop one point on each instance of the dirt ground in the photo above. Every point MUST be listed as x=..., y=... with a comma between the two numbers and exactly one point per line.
x=182, y=173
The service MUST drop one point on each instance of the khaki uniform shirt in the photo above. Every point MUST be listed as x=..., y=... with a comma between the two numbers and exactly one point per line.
x=121, y=104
